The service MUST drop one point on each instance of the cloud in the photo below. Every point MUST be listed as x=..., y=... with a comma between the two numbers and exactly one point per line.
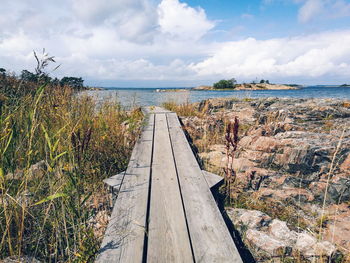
x=182, y=21
x=247, y=16
x=310, y=57
x=312, y=9
x=133, y=20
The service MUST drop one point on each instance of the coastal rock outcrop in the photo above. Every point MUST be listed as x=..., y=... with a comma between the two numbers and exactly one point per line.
x=268, y=238
x=292, y=163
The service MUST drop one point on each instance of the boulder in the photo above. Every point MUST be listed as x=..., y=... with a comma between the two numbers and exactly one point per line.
x=310, y=247
x=266, y=246
x=279, y=230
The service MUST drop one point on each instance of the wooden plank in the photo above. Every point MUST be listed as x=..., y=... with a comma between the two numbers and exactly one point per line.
x=168, y=239
x=154, y=109
x=124, y=237
x=211, y=240
x=212, y=179
x=115, y=180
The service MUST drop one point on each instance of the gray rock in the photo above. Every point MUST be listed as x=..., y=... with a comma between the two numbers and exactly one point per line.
x=310, y=247
x=296, y=182
x=264, y=245
x=279, y=230
x=23, y=259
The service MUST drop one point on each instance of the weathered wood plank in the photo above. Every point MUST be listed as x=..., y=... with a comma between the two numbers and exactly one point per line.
x=212, y=179
x=211, y=240
x=114, y=182
x=154, y=110
x=168, y=239
x=124, y=237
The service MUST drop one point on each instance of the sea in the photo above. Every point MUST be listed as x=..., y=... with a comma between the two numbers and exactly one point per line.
x=134, y=97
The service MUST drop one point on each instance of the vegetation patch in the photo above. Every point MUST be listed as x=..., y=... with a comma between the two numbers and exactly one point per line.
x=56, y=148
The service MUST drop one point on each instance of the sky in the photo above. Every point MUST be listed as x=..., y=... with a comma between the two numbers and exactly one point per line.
x=157, y=43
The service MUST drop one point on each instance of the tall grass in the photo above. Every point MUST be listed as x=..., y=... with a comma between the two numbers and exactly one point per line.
x=184, y=109
x=55, y=149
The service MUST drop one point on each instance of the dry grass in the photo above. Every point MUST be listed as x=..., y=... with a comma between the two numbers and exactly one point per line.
x=45, y=212
x=185, y=109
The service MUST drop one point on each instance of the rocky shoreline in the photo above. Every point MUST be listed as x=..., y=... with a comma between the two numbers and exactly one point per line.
x=292, y=188
x=251, y=86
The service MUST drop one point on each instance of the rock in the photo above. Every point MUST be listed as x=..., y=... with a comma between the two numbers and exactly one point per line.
x=35, y=171
x=279, y=230
x=248, y=219
x=337, y=192
x=324, y=248
x=284, y=157
x=269, y=238
x=310, y=247
x=23, y=259
x=264, y=245
x=345, y=166
x=289, y=195
x=338, y=230
x=266, y=144
x=296, y=182
x=305, y=244
x=254, y=219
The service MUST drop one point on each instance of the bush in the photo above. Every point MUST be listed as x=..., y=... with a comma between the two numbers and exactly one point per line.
x=225, y=84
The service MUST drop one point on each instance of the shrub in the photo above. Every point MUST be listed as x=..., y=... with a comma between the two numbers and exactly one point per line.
x=225, y=84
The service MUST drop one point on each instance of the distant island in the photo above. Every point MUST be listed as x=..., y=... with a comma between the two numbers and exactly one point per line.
x=262, y=85
x=345, y=85
x=251, y=86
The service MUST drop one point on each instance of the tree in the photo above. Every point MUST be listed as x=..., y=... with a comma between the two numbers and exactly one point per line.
x=225, y=84
x=76, y=83
x=262, y=81
x=2, y=72
x=28, y=76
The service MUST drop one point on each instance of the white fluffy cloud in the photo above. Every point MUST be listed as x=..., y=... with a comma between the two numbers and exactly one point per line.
x=133, y=20
x=181, y=21
x=310, y=56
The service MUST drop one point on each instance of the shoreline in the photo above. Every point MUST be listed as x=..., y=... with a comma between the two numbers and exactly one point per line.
x=258, y=86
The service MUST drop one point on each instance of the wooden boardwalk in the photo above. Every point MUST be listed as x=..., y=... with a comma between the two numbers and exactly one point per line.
x=164, y=209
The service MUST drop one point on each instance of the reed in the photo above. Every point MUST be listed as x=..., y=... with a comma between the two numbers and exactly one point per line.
x=56, y=147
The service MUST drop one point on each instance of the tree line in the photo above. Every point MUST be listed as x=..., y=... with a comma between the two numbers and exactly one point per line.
x=231, y=83
x=41, y=76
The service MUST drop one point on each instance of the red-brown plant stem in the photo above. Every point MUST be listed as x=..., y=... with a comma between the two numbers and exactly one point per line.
x=231, y=141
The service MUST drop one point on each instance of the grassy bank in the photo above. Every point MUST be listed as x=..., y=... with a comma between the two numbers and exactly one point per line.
x=55, y=150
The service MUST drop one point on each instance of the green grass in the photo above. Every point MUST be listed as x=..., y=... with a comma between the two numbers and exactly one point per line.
x=47, y=213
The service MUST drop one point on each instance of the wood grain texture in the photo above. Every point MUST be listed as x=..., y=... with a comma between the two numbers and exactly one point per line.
x=211, y=240
x=115, y=180
x=168, y=239
x=154, y=110
x=212, y=179
x=124, y=237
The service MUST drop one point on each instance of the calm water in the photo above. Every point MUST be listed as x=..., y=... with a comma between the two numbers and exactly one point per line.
x=149, y=96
